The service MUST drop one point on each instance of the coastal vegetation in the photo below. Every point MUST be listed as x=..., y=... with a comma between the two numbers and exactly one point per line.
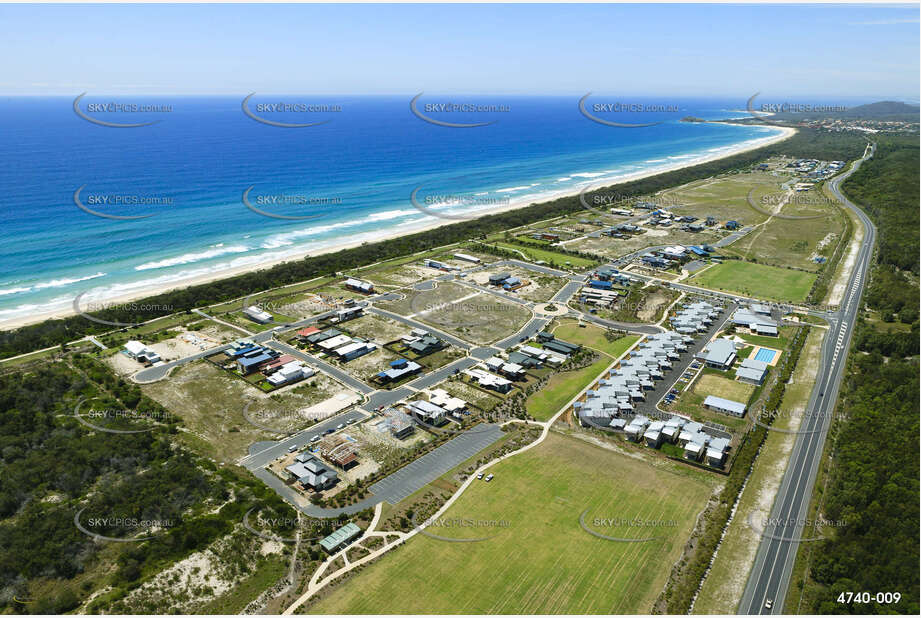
x=869, y=485
x=164, y=502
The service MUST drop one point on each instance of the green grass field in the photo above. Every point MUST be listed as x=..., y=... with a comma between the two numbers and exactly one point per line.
x=551, y=257
x=562, y=387
x=593, y=337
x=542, y=561
x=757, y=280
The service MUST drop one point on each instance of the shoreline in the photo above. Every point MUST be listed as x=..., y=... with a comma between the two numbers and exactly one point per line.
x=147, y=292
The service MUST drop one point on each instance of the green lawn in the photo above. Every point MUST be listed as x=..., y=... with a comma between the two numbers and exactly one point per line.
x=757, y=280
x=551, y=257
x=592, y=336
x=541, y=561
x=562, y=387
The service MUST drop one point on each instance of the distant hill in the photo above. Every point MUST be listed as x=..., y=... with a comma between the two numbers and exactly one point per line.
x=883, y=110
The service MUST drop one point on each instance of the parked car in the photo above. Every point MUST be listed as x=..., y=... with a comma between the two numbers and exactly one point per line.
x=315, y=438
x=292, y=449
x=340, y=426
x=479, y=476
x=488, y=478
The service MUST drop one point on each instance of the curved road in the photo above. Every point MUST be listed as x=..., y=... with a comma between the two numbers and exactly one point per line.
x=770, y=575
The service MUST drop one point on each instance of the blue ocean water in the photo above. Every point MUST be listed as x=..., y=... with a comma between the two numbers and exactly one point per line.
x=354, y=174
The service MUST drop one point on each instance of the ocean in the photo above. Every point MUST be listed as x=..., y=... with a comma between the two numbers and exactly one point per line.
x=349, y=179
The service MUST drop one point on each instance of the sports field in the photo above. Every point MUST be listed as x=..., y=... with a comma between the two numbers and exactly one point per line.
x=756, y=280
x=541, y=561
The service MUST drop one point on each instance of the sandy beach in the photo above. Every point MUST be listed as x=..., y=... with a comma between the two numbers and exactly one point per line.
x=146, y=292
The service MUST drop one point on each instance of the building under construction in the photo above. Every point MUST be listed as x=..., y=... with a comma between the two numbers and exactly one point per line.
x=338, y=451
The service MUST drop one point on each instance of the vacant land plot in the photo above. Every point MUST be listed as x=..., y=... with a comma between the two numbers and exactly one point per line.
x=541, y=561
x=757, y=280
x=794, y=242
x=691, y=401
x=211, y=403
x=470, y=314
x=478, y=397
x=725, y=197
x=375, y=328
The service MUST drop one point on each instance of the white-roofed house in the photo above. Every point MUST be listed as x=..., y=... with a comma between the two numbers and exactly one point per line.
x=726, y=406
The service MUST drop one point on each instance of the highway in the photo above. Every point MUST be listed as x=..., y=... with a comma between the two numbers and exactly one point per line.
x=770, y=575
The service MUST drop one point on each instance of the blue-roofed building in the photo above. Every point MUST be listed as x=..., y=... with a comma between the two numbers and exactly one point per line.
x=698, y=250
x=601, y=285
x=247, y=365
x=399, y=369
x=732, y=225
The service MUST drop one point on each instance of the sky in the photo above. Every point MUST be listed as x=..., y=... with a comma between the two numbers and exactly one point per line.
x=862, y=51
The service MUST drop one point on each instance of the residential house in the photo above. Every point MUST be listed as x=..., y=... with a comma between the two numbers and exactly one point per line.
x=256, y=314
x=140, y=352
x=399, y=369
x=356, y=285
x=312, y=474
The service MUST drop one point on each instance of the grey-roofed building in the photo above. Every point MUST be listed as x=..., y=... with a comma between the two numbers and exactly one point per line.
x=716, y=451
x=726, y=406
x=672, y=428
x=719, y=354
x=329, y=333
x=312, y=474
x=563, y=347
x=653, y=434
x=499, y=278
x=426, y=344
x=518, y=358
x=694, y=317
x=752, y=371
x=755, y=322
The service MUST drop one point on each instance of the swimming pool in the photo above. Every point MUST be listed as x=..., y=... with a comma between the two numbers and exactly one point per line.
x=765, y=355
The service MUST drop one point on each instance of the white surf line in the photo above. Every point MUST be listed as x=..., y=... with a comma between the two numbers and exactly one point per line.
x=315, y=586
x=443, y=305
